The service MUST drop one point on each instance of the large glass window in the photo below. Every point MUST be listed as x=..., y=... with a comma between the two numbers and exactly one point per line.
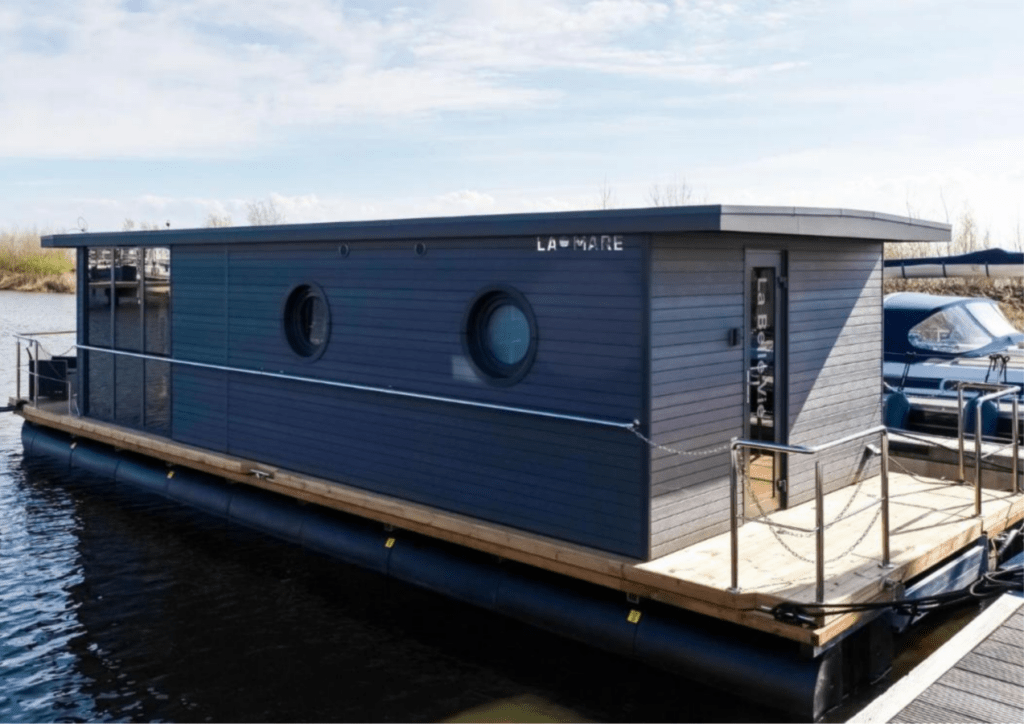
x=157, y=265
x=128, y=321
x=100, y=297
x=129, y=311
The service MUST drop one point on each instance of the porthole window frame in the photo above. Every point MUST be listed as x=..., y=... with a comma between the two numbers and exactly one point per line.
x=474, y=327
x=303, y=349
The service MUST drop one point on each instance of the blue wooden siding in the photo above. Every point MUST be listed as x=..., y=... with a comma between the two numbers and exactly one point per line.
x=397, y=320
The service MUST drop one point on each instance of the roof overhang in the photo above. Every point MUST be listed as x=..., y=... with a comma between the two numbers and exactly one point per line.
x=775, y=220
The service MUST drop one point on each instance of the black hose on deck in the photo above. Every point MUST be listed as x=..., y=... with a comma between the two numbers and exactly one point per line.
x=989, y=585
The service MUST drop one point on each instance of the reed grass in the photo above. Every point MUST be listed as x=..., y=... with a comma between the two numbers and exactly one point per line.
x=26, y=266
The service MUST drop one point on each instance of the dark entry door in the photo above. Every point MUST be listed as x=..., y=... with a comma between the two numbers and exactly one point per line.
x=765, y=418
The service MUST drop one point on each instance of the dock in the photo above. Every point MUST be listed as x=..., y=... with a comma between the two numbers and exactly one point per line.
x=930, y=518
x=977, y=676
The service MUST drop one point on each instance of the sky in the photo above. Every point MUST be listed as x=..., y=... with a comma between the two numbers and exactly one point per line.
x=168, y=112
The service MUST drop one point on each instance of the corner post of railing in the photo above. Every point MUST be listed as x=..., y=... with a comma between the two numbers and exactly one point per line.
x=734, y=537
x=960, y=428
x=35, y=387
x=977, y=459
x=885, y=499
x=1015, y=431
x=819, y=513
x=17, y=366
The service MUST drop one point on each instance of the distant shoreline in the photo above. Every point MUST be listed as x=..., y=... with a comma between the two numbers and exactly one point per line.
x=54, y=284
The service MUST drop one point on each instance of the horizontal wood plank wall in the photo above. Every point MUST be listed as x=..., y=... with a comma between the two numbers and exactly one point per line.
x=835, y=359
x=697, y=395
x=696, y=384
x=199, y=332
x=397, y=321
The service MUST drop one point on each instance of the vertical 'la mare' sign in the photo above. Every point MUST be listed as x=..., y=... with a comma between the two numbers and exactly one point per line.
x=762, y=363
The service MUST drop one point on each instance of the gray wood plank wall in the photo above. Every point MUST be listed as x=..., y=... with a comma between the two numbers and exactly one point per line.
x=696, y=384
x=397, y=320
x=697, y=392
x=835, y=354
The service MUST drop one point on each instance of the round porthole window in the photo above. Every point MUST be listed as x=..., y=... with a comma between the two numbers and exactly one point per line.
x=307, y=321
x=501, y=335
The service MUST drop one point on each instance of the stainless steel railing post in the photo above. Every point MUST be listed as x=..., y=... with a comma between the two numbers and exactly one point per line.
x=819, y=491
x=977, y=457
x=17, y=366
x=960, y=427
x=995, y=392
x=885, y=500
x=734, y=537
x=35, y=387
x=819, y=514
x=1015, y=431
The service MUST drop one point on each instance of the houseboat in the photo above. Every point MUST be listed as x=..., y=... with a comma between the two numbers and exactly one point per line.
x=659, y=431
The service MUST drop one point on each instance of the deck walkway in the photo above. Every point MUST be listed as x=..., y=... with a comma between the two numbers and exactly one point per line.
x=977, y=676
x=929, y=520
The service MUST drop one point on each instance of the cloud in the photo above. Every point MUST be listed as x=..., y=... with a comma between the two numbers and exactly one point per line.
x=101, y=79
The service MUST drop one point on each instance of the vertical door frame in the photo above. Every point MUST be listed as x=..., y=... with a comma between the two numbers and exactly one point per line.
x=777, y=258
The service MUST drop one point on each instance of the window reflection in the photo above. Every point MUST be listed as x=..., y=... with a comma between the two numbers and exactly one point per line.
x=128, y=309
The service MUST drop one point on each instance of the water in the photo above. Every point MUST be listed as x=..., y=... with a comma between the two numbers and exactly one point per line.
x=119, y=605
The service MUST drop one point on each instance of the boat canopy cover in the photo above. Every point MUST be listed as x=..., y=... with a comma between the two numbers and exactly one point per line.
x=991, y=257
x=906, y=310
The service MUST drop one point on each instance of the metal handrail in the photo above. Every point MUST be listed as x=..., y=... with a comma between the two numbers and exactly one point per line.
x=32, y=338
x=995, y=391
x=631, y=425
x=819, y=496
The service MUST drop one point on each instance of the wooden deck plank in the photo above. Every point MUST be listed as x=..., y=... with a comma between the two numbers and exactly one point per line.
x=967, y=703
x=957, y=683
x=999, y=651
x=920, y=712
x=1016, y=622
x=929, y=520
x=985, y=686
x=993, y=668
x=1007, y=635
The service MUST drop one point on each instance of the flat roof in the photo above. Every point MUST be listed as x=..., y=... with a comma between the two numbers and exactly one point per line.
x=779, y=220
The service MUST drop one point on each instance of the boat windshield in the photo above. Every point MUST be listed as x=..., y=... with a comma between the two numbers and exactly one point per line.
x=991, y=318
x=951, y=330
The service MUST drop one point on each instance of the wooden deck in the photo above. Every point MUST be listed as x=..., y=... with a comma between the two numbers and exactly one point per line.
x=930, y=519
x=977, y=676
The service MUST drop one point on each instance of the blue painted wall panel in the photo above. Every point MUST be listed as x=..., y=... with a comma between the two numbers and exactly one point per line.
x=397, y=321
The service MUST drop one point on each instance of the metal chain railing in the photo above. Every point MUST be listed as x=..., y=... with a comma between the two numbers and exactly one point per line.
x=738, y=471
x=686, y=453
x=778, y=530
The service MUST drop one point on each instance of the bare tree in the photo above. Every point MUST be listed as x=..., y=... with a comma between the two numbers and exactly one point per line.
x=264, y=213
x=131, y=225
x=912, y=212
x=966, y=237
x=214, y=221
x=945, y=206
x=675, y=193
x=606, y=196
